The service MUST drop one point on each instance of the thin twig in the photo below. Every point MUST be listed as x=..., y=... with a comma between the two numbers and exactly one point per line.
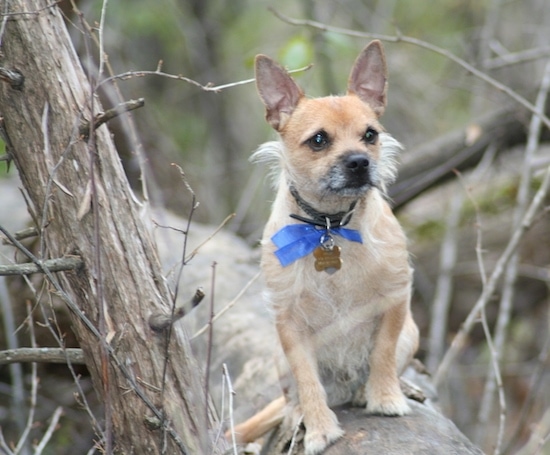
x=517, y=57
x=460, y=338
x=210, y=341
x=231, y=395
x=447, y=263
x=539, y=437
x=294, y=435
x=160, y=321
x=52, y=325
x=34, y=387
x=23, y=234
x=444, y=285
x=207, y=88
x=488, y=337
x=431, y=47
x=222, y=411
x=3, y=445
x=18, y=392
x=102, y=55
x=227, y=307
x=182, y=264
x=49, y=432
x=205, y=241
x=110, y=114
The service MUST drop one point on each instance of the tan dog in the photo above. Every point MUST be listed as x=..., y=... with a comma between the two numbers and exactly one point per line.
x=340, y=294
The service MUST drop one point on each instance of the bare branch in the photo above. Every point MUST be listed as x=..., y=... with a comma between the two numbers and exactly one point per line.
x=53, y=265
x=49, y=432
x=207, y=88
x=227, y=307
x=517, y=57
x=42, y=355
x=110, y=114
x=23, y=234
x=160, y=321
x=34, y=389
x=231, y=392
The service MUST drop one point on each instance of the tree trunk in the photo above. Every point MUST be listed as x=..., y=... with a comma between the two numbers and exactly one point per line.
x=82, y=204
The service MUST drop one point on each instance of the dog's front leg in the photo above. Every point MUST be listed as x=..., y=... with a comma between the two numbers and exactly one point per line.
x=321, y=424
x=383, y=392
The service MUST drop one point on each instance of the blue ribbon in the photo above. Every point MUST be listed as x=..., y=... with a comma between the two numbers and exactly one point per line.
x=298, y=240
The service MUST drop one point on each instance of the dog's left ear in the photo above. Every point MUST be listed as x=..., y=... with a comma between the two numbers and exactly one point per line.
x=368, y=77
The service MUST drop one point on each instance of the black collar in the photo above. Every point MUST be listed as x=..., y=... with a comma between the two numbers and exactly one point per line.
x=327, y=220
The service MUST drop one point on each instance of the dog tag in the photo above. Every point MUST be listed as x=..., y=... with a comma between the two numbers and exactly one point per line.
x=327, y=260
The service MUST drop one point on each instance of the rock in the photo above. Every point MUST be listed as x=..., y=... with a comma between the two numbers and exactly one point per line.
x=425, y=431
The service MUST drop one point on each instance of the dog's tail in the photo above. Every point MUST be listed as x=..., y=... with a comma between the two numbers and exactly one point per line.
x=260, y=423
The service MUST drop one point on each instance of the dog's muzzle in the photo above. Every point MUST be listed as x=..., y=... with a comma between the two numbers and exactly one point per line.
x=357, y=169
x=351, y=174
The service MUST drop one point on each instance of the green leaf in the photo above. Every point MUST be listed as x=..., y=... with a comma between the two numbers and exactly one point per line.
x=297, y=52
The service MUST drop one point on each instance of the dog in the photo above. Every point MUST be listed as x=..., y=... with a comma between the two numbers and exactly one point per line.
x=334, y=257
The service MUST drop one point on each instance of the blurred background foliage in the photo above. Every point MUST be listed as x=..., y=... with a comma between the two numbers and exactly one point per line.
x=211, y=135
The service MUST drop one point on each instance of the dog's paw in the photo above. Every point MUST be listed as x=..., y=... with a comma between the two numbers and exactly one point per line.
x=392, y=404
x=322, y=429
x=316, y=440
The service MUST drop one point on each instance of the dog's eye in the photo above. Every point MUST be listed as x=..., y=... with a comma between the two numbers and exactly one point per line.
x=371, y=136
x=318, y=141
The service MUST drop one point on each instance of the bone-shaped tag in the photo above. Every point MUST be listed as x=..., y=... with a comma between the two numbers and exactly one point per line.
x=327, y=260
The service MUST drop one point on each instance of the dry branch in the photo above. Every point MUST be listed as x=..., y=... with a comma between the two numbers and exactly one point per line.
x=42, y=355
x=42, y=123
x=53, y=265
x=110, y=114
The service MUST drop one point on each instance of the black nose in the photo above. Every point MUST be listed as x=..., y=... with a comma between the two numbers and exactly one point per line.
x=357, y=162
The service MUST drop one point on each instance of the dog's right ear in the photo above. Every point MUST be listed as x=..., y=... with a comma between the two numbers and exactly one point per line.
x=368, y=79
x=278, y=91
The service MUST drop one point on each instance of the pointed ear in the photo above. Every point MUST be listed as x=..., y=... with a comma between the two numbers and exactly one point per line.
x=368, y=77
x=277, y=90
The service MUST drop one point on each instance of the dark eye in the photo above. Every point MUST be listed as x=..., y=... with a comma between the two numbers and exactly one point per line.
x=318, y=141
x=371, y=136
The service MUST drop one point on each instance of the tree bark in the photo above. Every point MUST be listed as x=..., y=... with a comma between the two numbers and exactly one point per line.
x=82, y=204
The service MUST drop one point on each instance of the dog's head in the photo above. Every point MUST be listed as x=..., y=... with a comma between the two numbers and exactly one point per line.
x=332, y=146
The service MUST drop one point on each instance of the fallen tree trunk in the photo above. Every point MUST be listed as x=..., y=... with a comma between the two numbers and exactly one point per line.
x=425, y=431
x=434, y=161
x=83, y=207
